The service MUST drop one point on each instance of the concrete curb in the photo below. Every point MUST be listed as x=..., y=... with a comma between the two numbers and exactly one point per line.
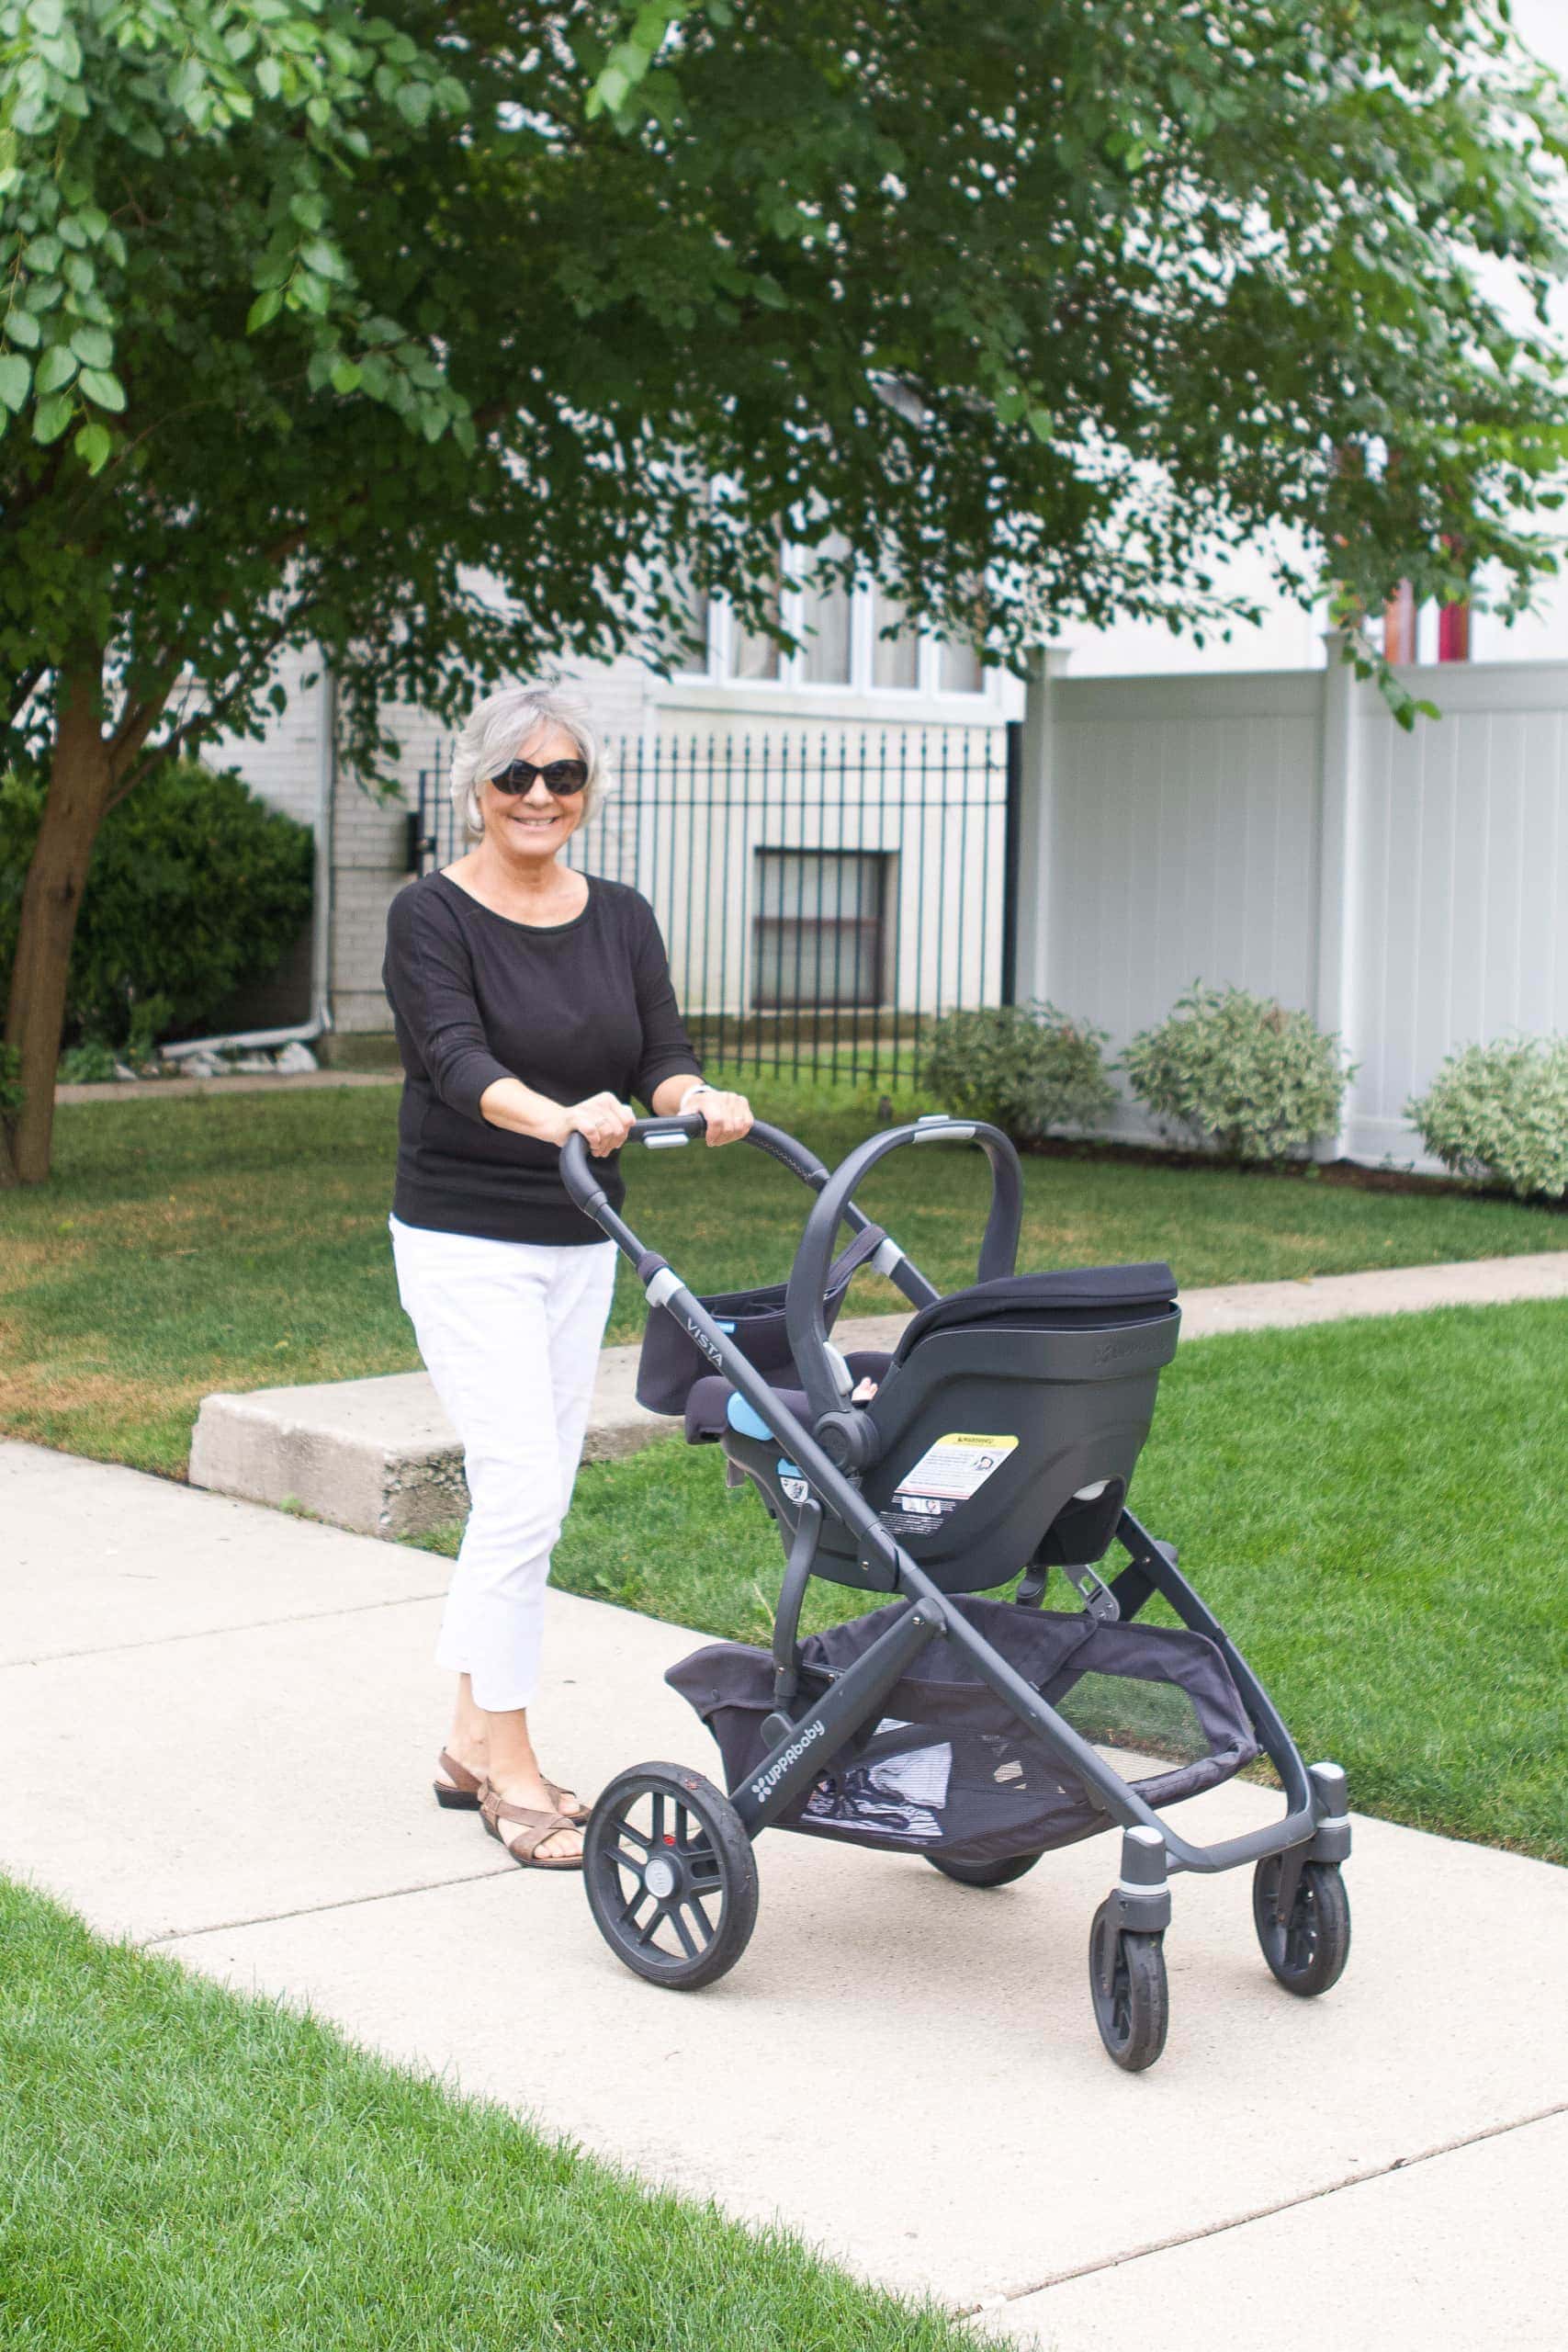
x=380, y=1457
x=176, y=1089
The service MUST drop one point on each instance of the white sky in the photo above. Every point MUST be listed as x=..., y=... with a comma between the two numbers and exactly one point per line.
x=1542, y=25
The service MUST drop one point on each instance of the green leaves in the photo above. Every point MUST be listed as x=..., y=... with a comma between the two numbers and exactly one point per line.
x=93, y=346
x=16, y=380
x=103, y=389
x=94, y=445
x=51, y=418
x=630, y=61
x=56, y=368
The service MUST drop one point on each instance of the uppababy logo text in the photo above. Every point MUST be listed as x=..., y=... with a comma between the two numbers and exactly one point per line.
x=775, y=1772
x=1113, y=1351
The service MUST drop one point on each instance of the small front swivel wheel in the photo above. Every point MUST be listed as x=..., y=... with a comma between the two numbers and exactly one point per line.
x=1127, y=1985
x=670, y=1875
x=1307, y=1950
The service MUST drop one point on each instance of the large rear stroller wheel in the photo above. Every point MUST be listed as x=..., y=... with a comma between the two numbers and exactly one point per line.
x=671, y=1876
x=985, y=1874
x=1127, y=1985
x=1308, y=1951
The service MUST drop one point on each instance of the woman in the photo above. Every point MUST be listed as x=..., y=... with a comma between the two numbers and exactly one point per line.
x=529, y=1000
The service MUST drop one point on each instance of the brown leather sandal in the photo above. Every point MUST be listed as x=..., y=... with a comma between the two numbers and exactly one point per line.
x=576, y=1813
x=535, y=1828
x=461, y=1790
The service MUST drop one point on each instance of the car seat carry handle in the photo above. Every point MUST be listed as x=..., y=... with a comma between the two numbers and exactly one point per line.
x=804, y=1315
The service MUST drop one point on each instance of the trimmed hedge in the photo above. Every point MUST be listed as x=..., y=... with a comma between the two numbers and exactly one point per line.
x=1025, y=1070
x=196, y=889
x=1498, y=1115
x=1239, y=1074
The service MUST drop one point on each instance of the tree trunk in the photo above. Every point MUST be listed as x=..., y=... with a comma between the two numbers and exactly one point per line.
x=79, y=785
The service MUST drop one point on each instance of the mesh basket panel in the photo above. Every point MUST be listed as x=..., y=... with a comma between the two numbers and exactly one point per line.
x=1152, y=1718
x=949, y=1766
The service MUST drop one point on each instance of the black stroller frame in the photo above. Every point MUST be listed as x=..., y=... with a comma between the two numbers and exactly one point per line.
x=703, y=1860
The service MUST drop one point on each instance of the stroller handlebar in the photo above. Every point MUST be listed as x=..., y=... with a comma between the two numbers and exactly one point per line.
x=811, y=1275
x=588, y=1193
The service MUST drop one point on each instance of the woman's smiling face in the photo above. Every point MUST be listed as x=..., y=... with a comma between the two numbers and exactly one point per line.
x=533, y=824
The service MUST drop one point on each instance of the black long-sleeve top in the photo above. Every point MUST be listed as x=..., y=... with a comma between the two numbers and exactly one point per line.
x=572, y=1009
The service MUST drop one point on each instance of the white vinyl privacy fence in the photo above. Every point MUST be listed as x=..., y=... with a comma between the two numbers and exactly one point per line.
x=1278, y=830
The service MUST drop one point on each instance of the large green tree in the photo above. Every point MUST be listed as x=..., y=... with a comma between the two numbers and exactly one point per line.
x=314, y=319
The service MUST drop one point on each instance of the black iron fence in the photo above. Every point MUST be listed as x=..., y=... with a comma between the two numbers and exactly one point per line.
x=825, y=895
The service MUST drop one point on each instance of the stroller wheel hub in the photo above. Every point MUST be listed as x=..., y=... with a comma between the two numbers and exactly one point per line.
x=670, y=1875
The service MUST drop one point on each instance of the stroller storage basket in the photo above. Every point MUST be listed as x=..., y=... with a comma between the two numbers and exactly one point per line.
x=949, y=1767
x=671, y=1362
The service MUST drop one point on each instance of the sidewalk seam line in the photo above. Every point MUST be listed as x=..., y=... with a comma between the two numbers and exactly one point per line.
x=215, y=1632
x=1266, y=2212
x=316, y=1910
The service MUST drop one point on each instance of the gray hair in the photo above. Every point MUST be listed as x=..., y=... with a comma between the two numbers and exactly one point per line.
x=498, y=732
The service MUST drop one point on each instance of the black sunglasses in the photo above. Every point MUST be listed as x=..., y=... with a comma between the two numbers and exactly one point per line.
x=563, y=777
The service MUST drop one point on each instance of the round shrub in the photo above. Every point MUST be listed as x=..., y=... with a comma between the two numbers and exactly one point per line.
x=1498, y=1115
x=1239, y=1074
x=196, y=887
x=1025, y=1070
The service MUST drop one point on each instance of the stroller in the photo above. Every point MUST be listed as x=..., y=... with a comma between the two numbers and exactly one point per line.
x=998, y=1445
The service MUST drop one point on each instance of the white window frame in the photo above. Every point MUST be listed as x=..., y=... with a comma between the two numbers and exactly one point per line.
x=791, y=677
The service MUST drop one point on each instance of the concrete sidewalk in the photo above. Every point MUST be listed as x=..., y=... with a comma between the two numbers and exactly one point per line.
x=381, y=1455
x=904, y=2069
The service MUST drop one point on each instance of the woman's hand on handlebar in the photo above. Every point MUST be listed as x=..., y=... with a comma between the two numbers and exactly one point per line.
x=602, y=1122
x=728, y=1117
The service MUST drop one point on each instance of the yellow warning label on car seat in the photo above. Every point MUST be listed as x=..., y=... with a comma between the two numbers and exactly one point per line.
x=949, y=1472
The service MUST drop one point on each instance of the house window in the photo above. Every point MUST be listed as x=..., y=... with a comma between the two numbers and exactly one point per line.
x=692, y=631
x=961, y=671
x=895, y=660
x=752, y=653
x=818, y=935
x=825, y=621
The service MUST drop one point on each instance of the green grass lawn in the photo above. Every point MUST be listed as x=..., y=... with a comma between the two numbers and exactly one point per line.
x=1376, y=1511
x=240, y=1242
x=186, y=2171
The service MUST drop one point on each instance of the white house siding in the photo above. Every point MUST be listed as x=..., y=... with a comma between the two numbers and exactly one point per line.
x=285, y=766
x=1410, y=890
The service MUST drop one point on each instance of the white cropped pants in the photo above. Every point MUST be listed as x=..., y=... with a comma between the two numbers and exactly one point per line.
x=510, y=1334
